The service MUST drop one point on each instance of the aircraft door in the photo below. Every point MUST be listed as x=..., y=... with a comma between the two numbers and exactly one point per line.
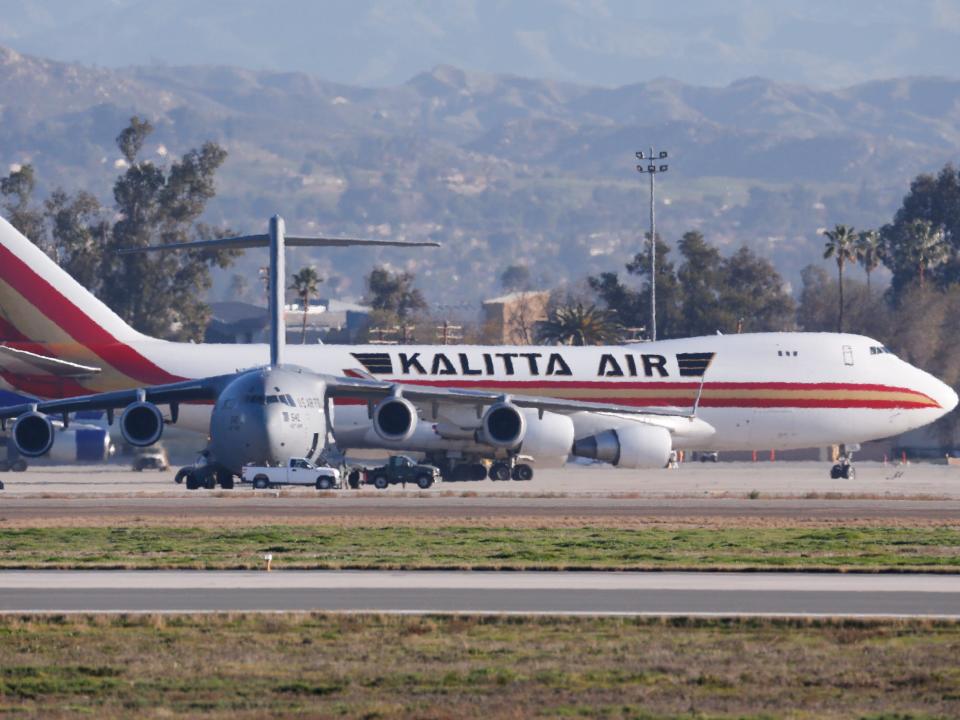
x=847, y=355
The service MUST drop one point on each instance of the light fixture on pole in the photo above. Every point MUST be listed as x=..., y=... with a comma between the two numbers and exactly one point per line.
x=652, y=167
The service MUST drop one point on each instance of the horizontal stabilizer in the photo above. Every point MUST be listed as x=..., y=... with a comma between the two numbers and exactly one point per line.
x=243, y=242
x=25, y=362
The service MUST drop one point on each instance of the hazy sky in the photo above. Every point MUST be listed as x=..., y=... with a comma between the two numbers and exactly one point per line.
x=610, y=42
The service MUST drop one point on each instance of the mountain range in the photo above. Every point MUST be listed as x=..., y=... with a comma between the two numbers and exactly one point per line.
x=500, y=168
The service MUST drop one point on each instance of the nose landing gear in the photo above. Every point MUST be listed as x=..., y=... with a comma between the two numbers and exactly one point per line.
x=843, y=469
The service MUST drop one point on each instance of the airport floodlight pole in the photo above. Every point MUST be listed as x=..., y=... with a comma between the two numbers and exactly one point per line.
x=652, y=167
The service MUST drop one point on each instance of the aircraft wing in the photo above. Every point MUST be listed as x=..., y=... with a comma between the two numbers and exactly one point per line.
x=377, y=389
x=24, y=362
x=186, y=391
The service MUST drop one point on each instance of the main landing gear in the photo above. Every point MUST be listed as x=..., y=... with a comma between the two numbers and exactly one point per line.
x=460, y=470
x=843, y=469
x=501, y=470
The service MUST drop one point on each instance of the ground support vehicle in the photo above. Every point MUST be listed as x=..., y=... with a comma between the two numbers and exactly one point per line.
x=151, y=458
x=401, y=469
x=298, y=471
x=204, y=474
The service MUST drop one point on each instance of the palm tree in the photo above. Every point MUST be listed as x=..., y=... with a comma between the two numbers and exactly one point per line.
x=926, y=248
x=579, y=325
x=305, y=285
x=840, y=245
x=868, y=252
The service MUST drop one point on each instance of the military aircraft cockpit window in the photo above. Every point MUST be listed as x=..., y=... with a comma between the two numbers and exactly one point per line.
x=878, y=350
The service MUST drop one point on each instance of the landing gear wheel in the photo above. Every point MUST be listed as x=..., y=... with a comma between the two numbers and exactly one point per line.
x=424, y=481
x=225, y=479
x=380, y=482
x=192, y=481
x=836, y=472
x=499, y=471
x=1, y=484
x=522, y=472
x=849, y=472
x=478, y=471
x=210, y=482
x=260, y=482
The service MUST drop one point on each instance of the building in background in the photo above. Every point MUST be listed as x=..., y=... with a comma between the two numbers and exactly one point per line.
x=328, y=320
x=512, y=319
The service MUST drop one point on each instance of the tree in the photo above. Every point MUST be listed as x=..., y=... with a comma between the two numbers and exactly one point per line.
x=841, y=245
x=576, y=324
x=669, y=291
x=159, y=294
x=79, y=232
x=18, y=187
x=305, y=285
x=935, y=199
x=515, y=278
x=925, y=247
x=394, y=293
x=625, y=303
x=702, y=277
x=753, y=292
x=868, y=252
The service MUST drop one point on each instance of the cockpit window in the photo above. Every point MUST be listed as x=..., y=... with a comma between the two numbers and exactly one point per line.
x=880, y=350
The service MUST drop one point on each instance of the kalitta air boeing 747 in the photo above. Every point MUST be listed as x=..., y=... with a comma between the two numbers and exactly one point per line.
x=627, y=405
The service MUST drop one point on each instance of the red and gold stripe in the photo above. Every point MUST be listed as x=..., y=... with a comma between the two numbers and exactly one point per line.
x=714, y=395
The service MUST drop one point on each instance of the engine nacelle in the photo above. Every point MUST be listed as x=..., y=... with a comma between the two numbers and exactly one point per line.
x=81, y=443
x=630, y=446
x=548, y=438
x=503, y=426
x=395, y=419
x=141, y=424
x=33, y=434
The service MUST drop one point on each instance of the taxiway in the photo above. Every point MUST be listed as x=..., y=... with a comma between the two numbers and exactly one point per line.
x=564, y=593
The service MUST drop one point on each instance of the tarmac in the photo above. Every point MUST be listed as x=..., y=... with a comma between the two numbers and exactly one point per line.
x=795, y=491
x=554, y=593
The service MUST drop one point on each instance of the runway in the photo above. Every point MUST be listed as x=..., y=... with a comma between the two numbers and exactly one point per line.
x=562, y=593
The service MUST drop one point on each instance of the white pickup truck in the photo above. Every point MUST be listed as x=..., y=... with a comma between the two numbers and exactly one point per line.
x=299, y=471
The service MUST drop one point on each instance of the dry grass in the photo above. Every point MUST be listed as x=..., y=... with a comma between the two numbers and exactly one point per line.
x=237, y=666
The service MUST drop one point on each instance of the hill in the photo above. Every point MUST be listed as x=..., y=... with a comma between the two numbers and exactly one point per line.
x=499, y=168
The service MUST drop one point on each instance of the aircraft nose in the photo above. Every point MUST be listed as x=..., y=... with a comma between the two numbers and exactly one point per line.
x=946, y=397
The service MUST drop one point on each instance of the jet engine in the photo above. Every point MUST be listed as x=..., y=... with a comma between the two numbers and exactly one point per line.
x=503, y=426
x=506, y=426
x=141, y=424
x=33, y=434
x=395, y=419
x=630, y=446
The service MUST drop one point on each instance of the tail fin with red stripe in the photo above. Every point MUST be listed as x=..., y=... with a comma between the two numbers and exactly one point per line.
x=41, y=303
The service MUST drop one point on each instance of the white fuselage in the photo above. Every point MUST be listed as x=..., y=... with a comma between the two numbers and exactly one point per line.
x=759, y=391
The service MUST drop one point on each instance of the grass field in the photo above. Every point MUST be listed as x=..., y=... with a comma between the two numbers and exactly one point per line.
x=475, y=667
x=868, y=548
